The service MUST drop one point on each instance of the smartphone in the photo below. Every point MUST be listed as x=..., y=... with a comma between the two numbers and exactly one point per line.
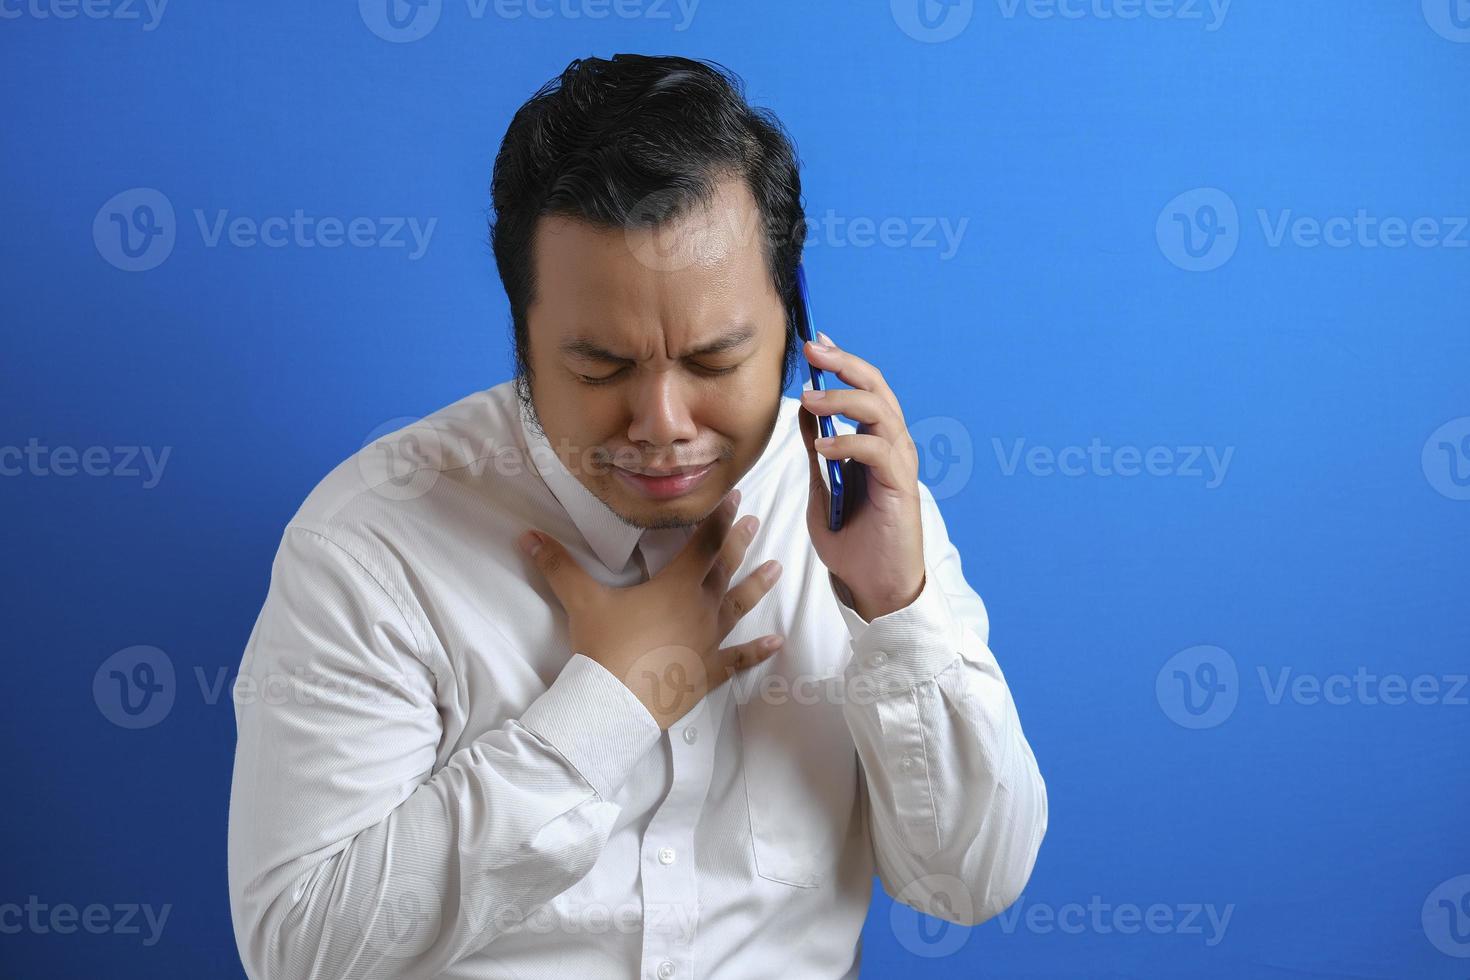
x=806, y=330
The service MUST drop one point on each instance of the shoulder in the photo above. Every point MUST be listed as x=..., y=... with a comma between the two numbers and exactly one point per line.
x=402, y=460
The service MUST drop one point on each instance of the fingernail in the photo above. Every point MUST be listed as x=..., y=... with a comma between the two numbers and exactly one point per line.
x=531, y=543
x=813, y=395
x=826, y=340
x=824, y=442
x=772, y=642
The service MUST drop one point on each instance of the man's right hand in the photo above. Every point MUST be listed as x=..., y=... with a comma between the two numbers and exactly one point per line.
x=662, y=638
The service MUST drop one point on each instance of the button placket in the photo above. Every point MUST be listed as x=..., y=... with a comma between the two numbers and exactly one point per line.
x=670, y=892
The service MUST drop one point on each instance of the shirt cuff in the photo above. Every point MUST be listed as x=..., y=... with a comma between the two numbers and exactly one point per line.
x=595, y=722
x=905, y=647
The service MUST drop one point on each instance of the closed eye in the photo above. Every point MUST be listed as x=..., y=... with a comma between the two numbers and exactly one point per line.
x=706, y=371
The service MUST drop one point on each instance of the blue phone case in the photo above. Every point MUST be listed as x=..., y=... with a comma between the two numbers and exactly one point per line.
x=807, y=330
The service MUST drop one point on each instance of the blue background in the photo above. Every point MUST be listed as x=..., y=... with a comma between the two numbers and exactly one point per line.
x=1330, y=546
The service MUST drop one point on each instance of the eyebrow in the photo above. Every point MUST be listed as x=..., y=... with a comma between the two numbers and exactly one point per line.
x=586, y=347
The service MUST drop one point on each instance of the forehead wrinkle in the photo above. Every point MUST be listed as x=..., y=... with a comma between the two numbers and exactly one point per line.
x=590, y=348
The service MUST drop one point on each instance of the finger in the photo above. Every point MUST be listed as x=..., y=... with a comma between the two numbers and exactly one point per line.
x=816, y=496
x=742, y=599
x=725, y=664
x=557, y=566
x=732, y=553
x=853, y=370
x=856, y=404
x=895, y=464
x=704, y=545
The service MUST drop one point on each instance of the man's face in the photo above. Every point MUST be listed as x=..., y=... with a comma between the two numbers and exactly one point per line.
x=657, y=350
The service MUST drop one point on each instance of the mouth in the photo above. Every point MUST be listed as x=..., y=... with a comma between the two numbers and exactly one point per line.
x=667, y=483
x=671, y=471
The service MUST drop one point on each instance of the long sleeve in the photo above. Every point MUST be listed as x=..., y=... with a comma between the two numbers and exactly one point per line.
x=349, y=856
x=955, y=801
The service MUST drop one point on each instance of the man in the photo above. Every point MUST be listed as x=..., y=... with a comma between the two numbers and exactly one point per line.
x=526, y=699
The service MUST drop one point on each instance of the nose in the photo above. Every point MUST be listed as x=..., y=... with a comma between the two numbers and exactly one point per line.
x=660, y=409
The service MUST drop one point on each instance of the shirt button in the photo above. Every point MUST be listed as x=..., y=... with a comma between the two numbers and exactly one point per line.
x=907, y=763
x=665, y=970
x=878, y=659
x=690, y=734
x=666, y=855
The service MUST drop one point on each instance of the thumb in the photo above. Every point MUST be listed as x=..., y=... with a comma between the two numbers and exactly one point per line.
x=555, y=563
x=816, y=497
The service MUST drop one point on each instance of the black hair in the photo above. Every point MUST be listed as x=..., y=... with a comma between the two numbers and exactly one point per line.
x=636, y=141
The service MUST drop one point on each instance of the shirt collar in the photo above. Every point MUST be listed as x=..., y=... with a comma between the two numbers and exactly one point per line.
x=611, y=538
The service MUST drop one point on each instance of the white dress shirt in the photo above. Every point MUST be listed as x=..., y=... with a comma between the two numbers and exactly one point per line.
x=429, y=783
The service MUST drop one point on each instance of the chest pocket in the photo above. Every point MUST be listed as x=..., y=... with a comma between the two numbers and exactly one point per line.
x=799, y=760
